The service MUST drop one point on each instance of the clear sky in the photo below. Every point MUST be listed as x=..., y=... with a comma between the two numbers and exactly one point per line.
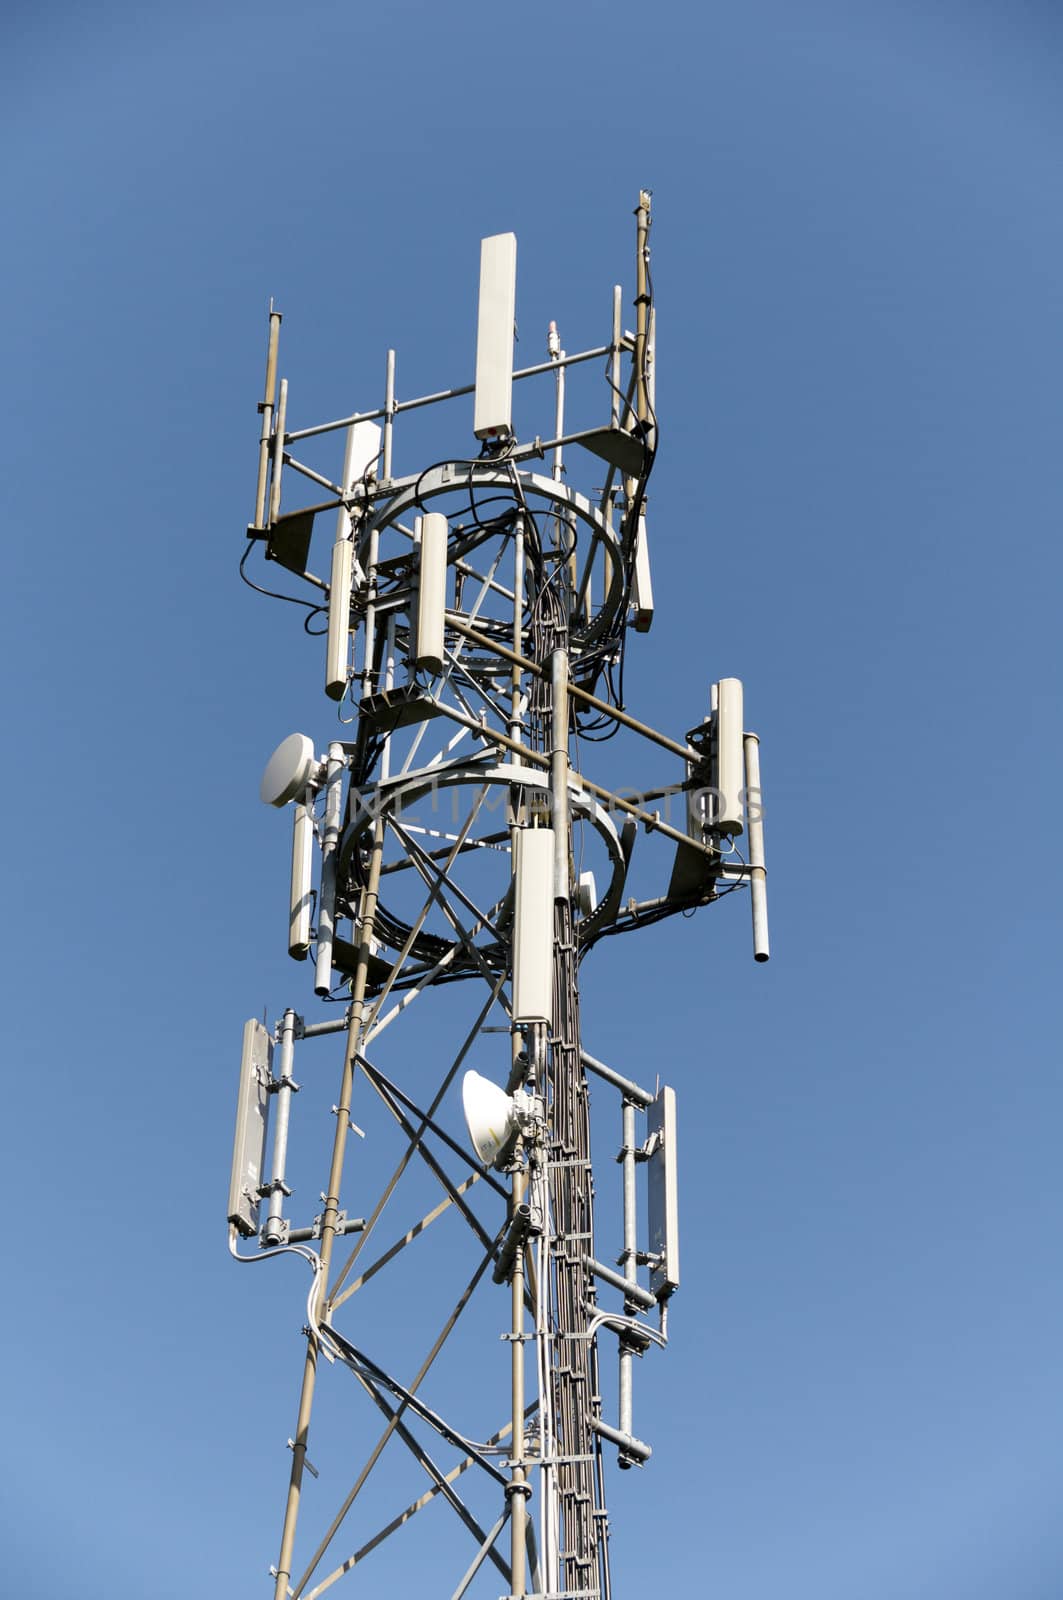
x=858, y=254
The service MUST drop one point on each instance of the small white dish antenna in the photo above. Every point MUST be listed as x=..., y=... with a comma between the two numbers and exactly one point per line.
x=490, y=1116
x=288, y=771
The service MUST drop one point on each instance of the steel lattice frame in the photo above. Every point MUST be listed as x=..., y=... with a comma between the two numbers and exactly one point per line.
x=416, y=816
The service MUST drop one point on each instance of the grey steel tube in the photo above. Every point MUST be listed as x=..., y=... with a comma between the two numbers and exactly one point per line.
x=614, y=406
x=641, y=1097
x=518, y=1490
x=515, y=1236
x=652, y=823
x=633, y=1291
x=274, y=1229
x=642, y=255
x=628, y=1445
x=313, y=1030
x=326, y=911
x=758, y=872
x=582, y=695
x=630, y=1254
x=330, y=1216
x=445, y=394
x=305, y=1235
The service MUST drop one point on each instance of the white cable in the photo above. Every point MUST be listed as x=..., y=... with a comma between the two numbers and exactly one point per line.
x=613, y=1319
x=310, y=1256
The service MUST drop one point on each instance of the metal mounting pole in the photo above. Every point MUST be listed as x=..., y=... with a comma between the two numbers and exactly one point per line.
x=630, y=1258
x=642, y=301
x=614, y=365
x=330, y=1217
x=273, y=1233
x=518, y=1490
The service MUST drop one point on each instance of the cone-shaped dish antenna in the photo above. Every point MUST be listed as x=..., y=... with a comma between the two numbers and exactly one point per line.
x=490, y=1116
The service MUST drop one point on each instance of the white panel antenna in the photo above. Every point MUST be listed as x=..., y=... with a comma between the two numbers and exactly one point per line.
x=338, y=654
x=431, y=592
x=301, y=883
x=359, y=457
x=493, y=409
x=730, y=760
x=533, y=929
x=641, y=582
x=662, y=1192
x=758, y=886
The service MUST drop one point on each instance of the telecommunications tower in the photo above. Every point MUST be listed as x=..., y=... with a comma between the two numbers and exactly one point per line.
x=452, y=863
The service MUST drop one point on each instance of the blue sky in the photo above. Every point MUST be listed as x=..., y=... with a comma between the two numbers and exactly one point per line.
x=858, y=253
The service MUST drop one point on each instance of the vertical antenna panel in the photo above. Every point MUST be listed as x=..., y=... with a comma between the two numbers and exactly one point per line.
x=431, y=592
x=663, y=1195
x=730, y=759
x=326, y=903
x=339, y=618
x=533, y=925
x=302, y=866
x=493, y=410
x=758, y=887
x=641, y=582
x=359, y=456
x=252, y=1117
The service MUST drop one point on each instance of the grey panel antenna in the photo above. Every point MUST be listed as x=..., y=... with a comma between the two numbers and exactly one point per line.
x=662, y=1193
x=252, y=1118
x=289, y=540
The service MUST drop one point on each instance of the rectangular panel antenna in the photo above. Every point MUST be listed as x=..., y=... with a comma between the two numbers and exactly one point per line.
x=252, y=1118
x=730, y=777
x=360, y=454
x=662, y=1193
x=493, y=410
x=533, y=926
x=431, y=591
x=641, y=582
x=301, y=884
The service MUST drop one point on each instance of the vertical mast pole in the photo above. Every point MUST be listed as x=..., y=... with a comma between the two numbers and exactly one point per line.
x=630, y=1259
x=274, y=1229
x=642, y=300
x=330, y=1216
x=614, y=375
x=519, y=1489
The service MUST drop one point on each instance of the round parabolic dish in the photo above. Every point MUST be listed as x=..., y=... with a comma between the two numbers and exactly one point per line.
x=288, y=770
